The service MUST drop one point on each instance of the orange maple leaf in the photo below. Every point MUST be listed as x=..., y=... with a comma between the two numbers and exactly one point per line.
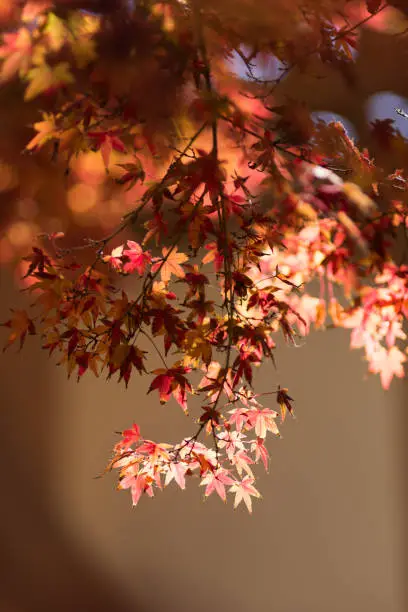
x=170, y=264
x=46, y=130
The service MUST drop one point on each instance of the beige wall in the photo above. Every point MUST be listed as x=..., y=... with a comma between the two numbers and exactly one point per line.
x=329, y=534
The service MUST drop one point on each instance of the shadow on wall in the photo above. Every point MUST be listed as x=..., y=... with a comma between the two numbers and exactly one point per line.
x=42, y=570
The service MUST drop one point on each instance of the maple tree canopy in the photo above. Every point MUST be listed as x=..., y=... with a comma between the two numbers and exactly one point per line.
x=195, y=216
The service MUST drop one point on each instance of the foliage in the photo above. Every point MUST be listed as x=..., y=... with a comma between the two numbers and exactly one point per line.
x=239, y=205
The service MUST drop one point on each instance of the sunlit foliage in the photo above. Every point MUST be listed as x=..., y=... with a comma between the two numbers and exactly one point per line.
x=233, y=210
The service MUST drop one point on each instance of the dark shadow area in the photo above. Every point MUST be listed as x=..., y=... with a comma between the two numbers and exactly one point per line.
x=41, y=568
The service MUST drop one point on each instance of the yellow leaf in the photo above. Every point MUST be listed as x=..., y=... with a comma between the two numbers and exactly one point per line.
x=55, y=31
x=44, y=77
x=40, y=80
x=171, y=264
x=46, y=130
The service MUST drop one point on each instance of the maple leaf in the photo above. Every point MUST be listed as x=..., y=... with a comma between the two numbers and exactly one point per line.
x=157, y=227
x=86, y=361
x=44, y=78
x=197, y=347
x=177, y=472
x=106, y=142
x=38, y=262
x=55, y=32
x=243, y=491
x=239, y=417
x=195, y=279
x=258, y=447
x=241, y=461
x=387, y=363
x=263, y=420
x=285, y=402
x=180, y=394
x=170, y=264
x=204, y=169
x=20, y=325
x=137, y=483
x=161, y=292
x=243, y=366
x=124, y=357
x=137, y=258
x=129, y=437
x=198, y=222
x=115, y=258
x=134, y=173
x=46, y=129
x=216, y=481
x=137, y=487
x=231, y=441
x=155, y=451
x=172, y=382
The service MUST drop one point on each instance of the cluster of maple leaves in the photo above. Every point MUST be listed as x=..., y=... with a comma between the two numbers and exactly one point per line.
x=245, y=210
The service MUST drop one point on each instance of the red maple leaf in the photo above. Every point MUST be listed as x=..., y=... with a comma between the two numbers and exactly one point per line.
x=172, y=382
x=137, y=258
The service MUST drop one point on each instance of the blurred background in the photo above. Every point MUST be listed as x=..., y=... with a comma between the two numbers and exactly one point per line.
x=330, y=534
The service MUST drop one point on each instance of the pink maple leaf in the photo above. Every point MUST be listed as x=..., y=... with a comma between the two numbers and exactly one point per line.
x=216, y=481
x=138, y=259
x=243, y=491
x=178, y=472
x=241, y=461
x=258, y=447
x=263, y=420
x=135, y=482
x=387, y=363
x=239, y=417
